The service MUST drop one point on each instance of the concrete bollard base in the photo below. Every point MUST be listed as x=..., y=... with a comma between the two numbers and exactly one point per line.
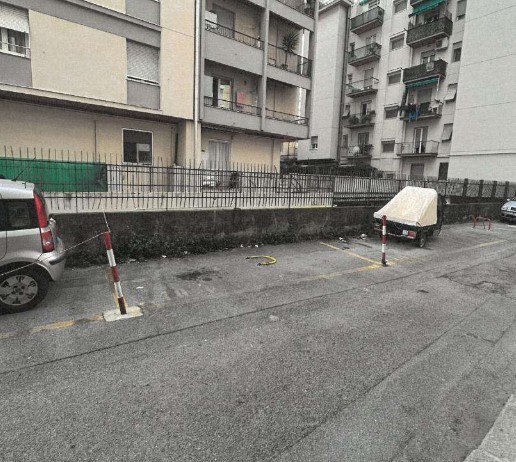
x=114, y=315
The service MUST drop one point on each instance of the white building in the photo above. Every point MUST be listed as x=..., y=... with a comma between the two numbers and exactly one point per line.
x=484, y=135
x=401, y=66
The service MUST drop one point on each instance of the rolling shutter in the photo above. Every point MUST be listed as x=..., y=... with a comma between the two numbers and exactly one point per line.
x=142, y=62
x=14, y=18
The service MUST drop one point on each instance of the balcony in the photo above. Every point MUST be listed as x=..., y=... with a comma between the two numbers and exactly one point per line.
x=364, y=55
x=419, y=149
x=232, y=48
x=367, y=20
x=423, y=111
x=424, y=34
x=433, y=69
x=233, y=34
x=361, y=120
x=360, y=151
x=431, y=3
x=231, y=114
x=362, y=87
x=284, y=124
x=290, y=62
x=303, y=6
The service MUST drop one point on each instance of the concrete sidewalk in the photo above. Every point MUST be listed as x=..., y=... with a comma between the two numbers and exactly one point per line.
x=499, y=445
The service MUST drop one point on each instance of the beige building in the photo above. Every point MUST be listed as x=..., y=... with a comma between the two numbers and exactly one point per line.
x=118, y=77
x=256, y=72
x=98, y=77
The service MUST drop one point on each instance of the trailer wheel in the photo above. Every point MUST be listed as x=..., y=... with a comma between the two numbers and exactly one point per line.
x=421, y=242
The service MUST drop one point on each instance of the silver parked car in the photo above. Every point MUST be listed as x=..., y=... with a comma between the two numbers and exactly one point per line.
x=31, y=254
x=508, y=211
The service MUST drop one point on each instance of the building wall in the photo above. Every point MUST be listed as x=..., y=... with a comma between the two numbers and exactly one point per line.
x=117, y=5
x=245, y=149
x=325, y=122
x=73, y=59
x=61, y=130
x=484, y=139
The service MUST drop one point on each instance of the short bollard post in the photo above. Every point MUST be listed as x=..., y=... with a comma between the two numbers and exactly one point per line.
x=384, y=240
x=114, y=271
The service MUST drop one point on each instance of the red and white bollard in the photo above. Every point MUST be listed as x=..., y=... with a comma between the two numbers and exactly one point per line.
x=384, y=240
x=114, y=271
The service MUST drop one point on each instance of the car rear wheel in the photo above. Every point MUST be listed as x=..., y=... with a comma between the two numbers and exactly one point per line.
x=421, y=241
x=22, y=289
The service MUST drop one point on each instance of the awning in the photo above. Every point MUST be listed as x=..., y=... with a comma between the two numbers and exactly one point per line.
x=451, y=94
x=425, y=6
x=447, y=132
x=420, y=83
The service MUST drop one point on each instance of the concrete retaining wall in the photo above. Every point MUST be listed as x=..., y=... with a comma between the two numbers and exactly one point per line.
x=146, y=234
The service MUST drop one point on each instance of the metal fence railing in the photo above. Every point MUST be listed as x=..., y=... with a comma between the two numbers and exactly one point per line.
x=81, y=182
x=292, y=62
x=233, y=34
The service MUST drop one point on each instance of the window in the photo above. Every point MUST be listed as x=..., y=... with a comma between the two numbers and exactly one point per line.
x=461, y=9
x=443, y=171
x=137, y=147
x=365, y=107
x=373, y=3
x=397, y=42
x=314, y=142
x=363, y=139
x=391, y=112
x=424, y=95
x=400, y=5
x=394, y=78
x=451, y=94
x=19, y=214
x=427, y=57
x=457, y=51
x=368, y=78
x=14, y=30
x=219, y=153
x=370, y=39
x=347, y=110
x=142, y=63
x=350, y=78
x=352, y=48
x=447, y=132
x=417, y=170
x=388, y=146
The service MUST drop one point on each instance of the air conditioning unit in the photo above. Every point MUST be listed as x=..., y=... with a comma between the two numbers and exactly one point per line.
x=441, y=44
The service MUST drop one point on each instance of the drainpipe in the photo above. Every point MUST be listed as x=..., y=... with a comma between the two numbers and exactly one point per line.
x=343, y=85
x=404, y=124
x=197, y=57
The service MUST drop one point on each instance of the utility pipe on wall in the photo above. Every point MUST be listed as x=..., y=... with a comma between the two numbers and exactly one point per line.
x=197, y=57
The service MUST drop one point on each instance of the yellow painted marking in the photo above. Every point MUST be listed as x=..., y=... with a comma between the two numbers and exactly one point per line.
x=353, y=254
x=341, y=273
x=52, y=326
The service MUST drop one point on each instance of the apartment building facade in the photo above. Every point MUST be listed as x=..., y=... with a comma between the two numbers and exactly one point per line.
x=120, y=76
x=98, y=77
x=484, y=139
x=401, y=71
x=256, y=70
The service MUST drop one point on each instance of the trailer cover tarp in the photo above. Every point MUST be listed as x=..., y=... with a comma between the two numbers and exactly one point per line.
x=412, y=206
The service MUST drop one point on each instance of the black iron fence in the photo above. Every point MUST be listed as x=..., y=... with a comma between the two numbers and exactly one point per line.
x=235, y=106
x=82, y=182
x=292, y=62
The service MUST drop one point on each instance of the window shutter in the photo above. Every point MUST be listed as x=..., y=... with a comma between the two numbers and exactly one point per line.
x=461, y=8
x=142, y=62
x=14, y=18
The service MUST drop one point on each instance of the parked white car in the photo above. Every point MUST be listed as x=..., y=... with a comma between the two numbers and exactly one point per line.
x=31, y=253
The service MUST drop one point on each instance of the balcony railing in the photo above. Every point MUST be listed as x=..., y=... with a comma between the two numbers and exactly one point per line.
x=13, y=49
x=303, y=6
x=285, y=117
x=423, y=34
x=360, y=150
x=428, y=110
x=290, y=62
x=426, y=70
x=362, y=87
x=365, y=54
x=421, y=148
x=233, y=34
x=367, y=20
x=232, y=106
x=361, y=120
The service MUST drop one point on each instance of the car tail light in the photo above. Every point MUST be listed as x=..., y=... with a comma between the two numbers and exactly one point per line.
x=47, y=238
x=411, y=234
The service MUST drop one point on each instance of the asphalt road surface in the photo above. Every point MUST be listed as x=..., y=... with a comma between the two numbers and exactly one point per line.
x=324, y=356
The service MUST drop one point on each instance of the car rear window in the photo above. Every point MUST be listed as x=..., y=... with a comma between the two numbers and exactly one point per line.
x=17, y=214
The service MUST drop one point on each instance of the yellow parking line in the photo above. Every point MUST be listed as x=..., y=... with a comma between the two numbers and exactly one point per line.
x=52, y=326
x=353, y=254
